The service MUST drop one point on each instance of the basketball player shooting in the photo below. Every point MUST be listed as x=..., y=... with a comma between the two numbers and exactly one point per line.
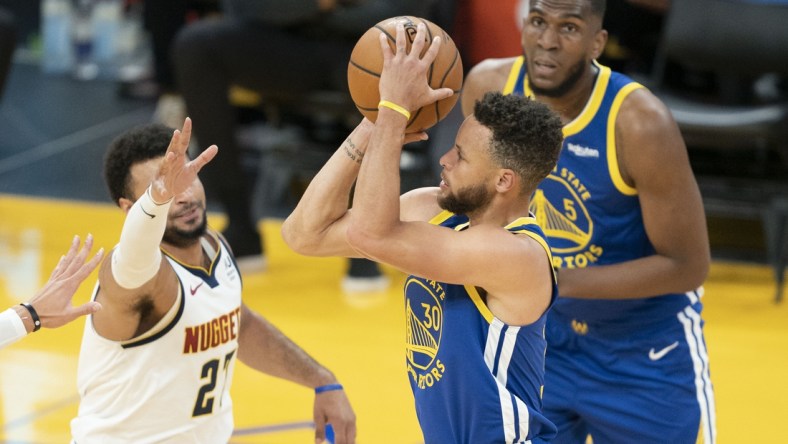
x=480, y=277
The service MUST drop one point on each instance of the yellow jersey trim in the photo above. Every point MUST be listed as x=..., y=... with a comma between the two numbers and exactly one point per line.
x=592, y=106
x=612, y=155
x=480, y=305
x=441, y=217
x=514, y=73
x=532, y=221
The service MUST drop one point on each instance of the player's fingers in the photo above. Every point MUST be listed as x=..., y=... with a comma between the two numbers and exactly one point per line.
x=83, y=310
x=344, y=433
x=174, y=141
x=441, y=93
x=432, y=51
x=64, y=261
x=204, y=157
x=74, y=258
x=384, y=46
x=351, y=433
x=401, y=42
x=186, y=135
x=170, y=155
x=88, y=267
x=419, y=40
x=73, y=263
x=320, y=429
x=415, y=137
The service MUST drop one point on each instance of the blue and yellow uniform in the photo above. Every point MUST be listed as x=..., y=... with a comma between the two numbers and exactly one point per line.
x=475, y=379
x=617, y=369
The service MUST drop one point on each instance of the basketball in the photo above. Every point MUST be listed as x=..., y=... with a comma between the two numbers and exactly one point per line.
x=366, y=64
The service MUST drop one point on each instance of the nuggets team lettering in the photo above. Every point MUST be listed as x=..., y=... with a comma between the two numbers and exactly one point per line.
x=213, y=333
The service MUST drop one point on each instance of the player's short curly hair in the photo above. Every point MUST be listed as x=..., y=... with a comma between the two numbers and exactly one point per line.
x=526, y=136
x=136, y=145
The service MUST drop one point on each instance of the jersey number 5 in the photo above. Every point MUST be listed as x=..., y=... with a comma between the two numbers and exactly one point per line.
x=210, y=371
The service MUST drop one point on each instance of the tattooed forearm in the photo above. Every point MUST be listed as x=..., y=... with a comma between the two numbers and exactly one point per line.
x=352, y=151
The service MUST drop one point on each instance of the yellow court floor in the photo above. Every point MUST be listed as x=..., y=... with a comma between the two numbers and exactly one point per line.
x=361, y=338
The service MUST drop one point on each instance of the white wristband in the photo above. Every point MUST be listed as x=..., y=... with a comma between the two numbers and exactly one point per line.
x=137, y=258
x=12, y=328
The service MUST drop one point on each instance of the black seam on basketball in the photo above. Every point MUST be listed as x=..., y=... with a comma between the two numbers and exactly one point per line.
x=429, y=42
x=372, y=73
x=388, y=36
x=364, y=108
x=449, y=69
x=414, y=117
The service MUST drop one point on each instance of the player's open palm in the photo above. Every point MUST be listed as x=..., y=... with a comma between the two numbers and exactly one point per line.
x=404, y=76
x=334, y=408
x=177, y=172
x=53, y=301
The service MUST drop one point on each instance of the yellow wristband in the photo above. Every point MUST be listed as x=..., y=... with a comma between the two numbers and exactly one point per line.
x=395, y=107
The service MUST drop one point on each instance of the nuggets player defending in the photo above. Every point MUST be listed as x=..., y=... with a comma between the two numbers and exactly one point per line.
x=480, y=278
x=626, y=357
x=156, y=363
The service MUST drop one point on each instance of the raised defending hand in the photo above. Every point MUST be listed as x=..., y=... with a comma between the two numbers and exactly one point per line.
x=53, y=301
x=404, y=77
x=176, y=172
x=333, y=408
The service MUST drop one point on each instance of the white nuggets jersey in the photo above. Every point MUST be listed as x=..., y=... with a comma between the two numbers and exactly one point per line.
x=172, y=385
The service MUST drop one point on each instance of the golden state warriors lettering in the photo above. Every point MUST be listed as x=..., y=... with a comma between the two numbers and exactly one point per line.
x=423, y=327
x=213, y=333
x=565, y=219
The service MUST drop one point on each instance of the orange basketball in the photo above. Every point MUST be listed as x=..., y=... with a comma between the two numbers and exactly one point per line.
x=366, y=64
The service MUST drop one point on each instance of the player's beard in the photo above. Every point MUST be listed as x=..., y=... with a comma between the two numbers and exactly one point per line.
x=185, y=237
x=575, y=73
x=467, y=200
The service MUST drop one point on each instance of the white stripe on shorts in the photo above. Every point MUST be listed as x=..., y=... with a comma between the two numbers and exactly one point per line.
x=693, y=333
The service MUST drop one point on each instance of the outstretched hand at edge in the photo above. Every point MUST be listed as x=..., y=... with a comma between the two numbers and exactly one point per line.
x=334, y=408
x=53, y=301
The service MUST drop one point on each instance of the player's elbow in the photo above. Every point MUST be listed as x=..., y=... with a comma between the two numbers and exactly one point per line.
x=695, y=271
x=701, y=271
x=362, y=240
x=296, y=239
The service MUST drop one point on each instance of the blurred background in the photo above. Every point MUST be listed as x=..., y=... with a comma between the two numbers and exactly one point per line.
x=82, y=71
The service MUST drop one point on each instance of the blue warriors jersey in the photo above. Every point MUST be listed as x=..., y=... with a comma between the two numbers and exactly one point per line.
x=589, y=214
x=475, y=379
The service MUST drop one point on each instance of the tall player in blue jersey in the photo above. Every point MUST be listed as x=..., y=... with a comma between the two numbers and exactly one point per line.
x=480, y=279
x=626, y=357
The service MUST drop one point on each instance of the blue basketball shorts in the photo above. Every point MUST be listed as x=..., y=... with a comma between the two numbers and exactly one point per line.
x=649, y=384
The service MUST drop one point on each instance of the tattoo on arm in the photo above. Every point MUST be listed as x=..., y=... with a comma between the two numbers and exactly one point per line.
x=350, y=149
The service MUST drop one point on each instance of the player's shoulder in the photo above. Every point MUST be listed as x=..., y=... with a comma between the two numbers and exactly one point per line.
x=420, y=204
x=492, y=69
x=642, y=108
x=487, y=75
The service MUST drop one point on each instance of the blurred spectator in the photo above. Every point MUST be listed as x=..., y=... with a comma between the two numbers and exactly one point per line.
x=275, y=47
x=7, y=45
x=634, y=28
x=163, y=19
